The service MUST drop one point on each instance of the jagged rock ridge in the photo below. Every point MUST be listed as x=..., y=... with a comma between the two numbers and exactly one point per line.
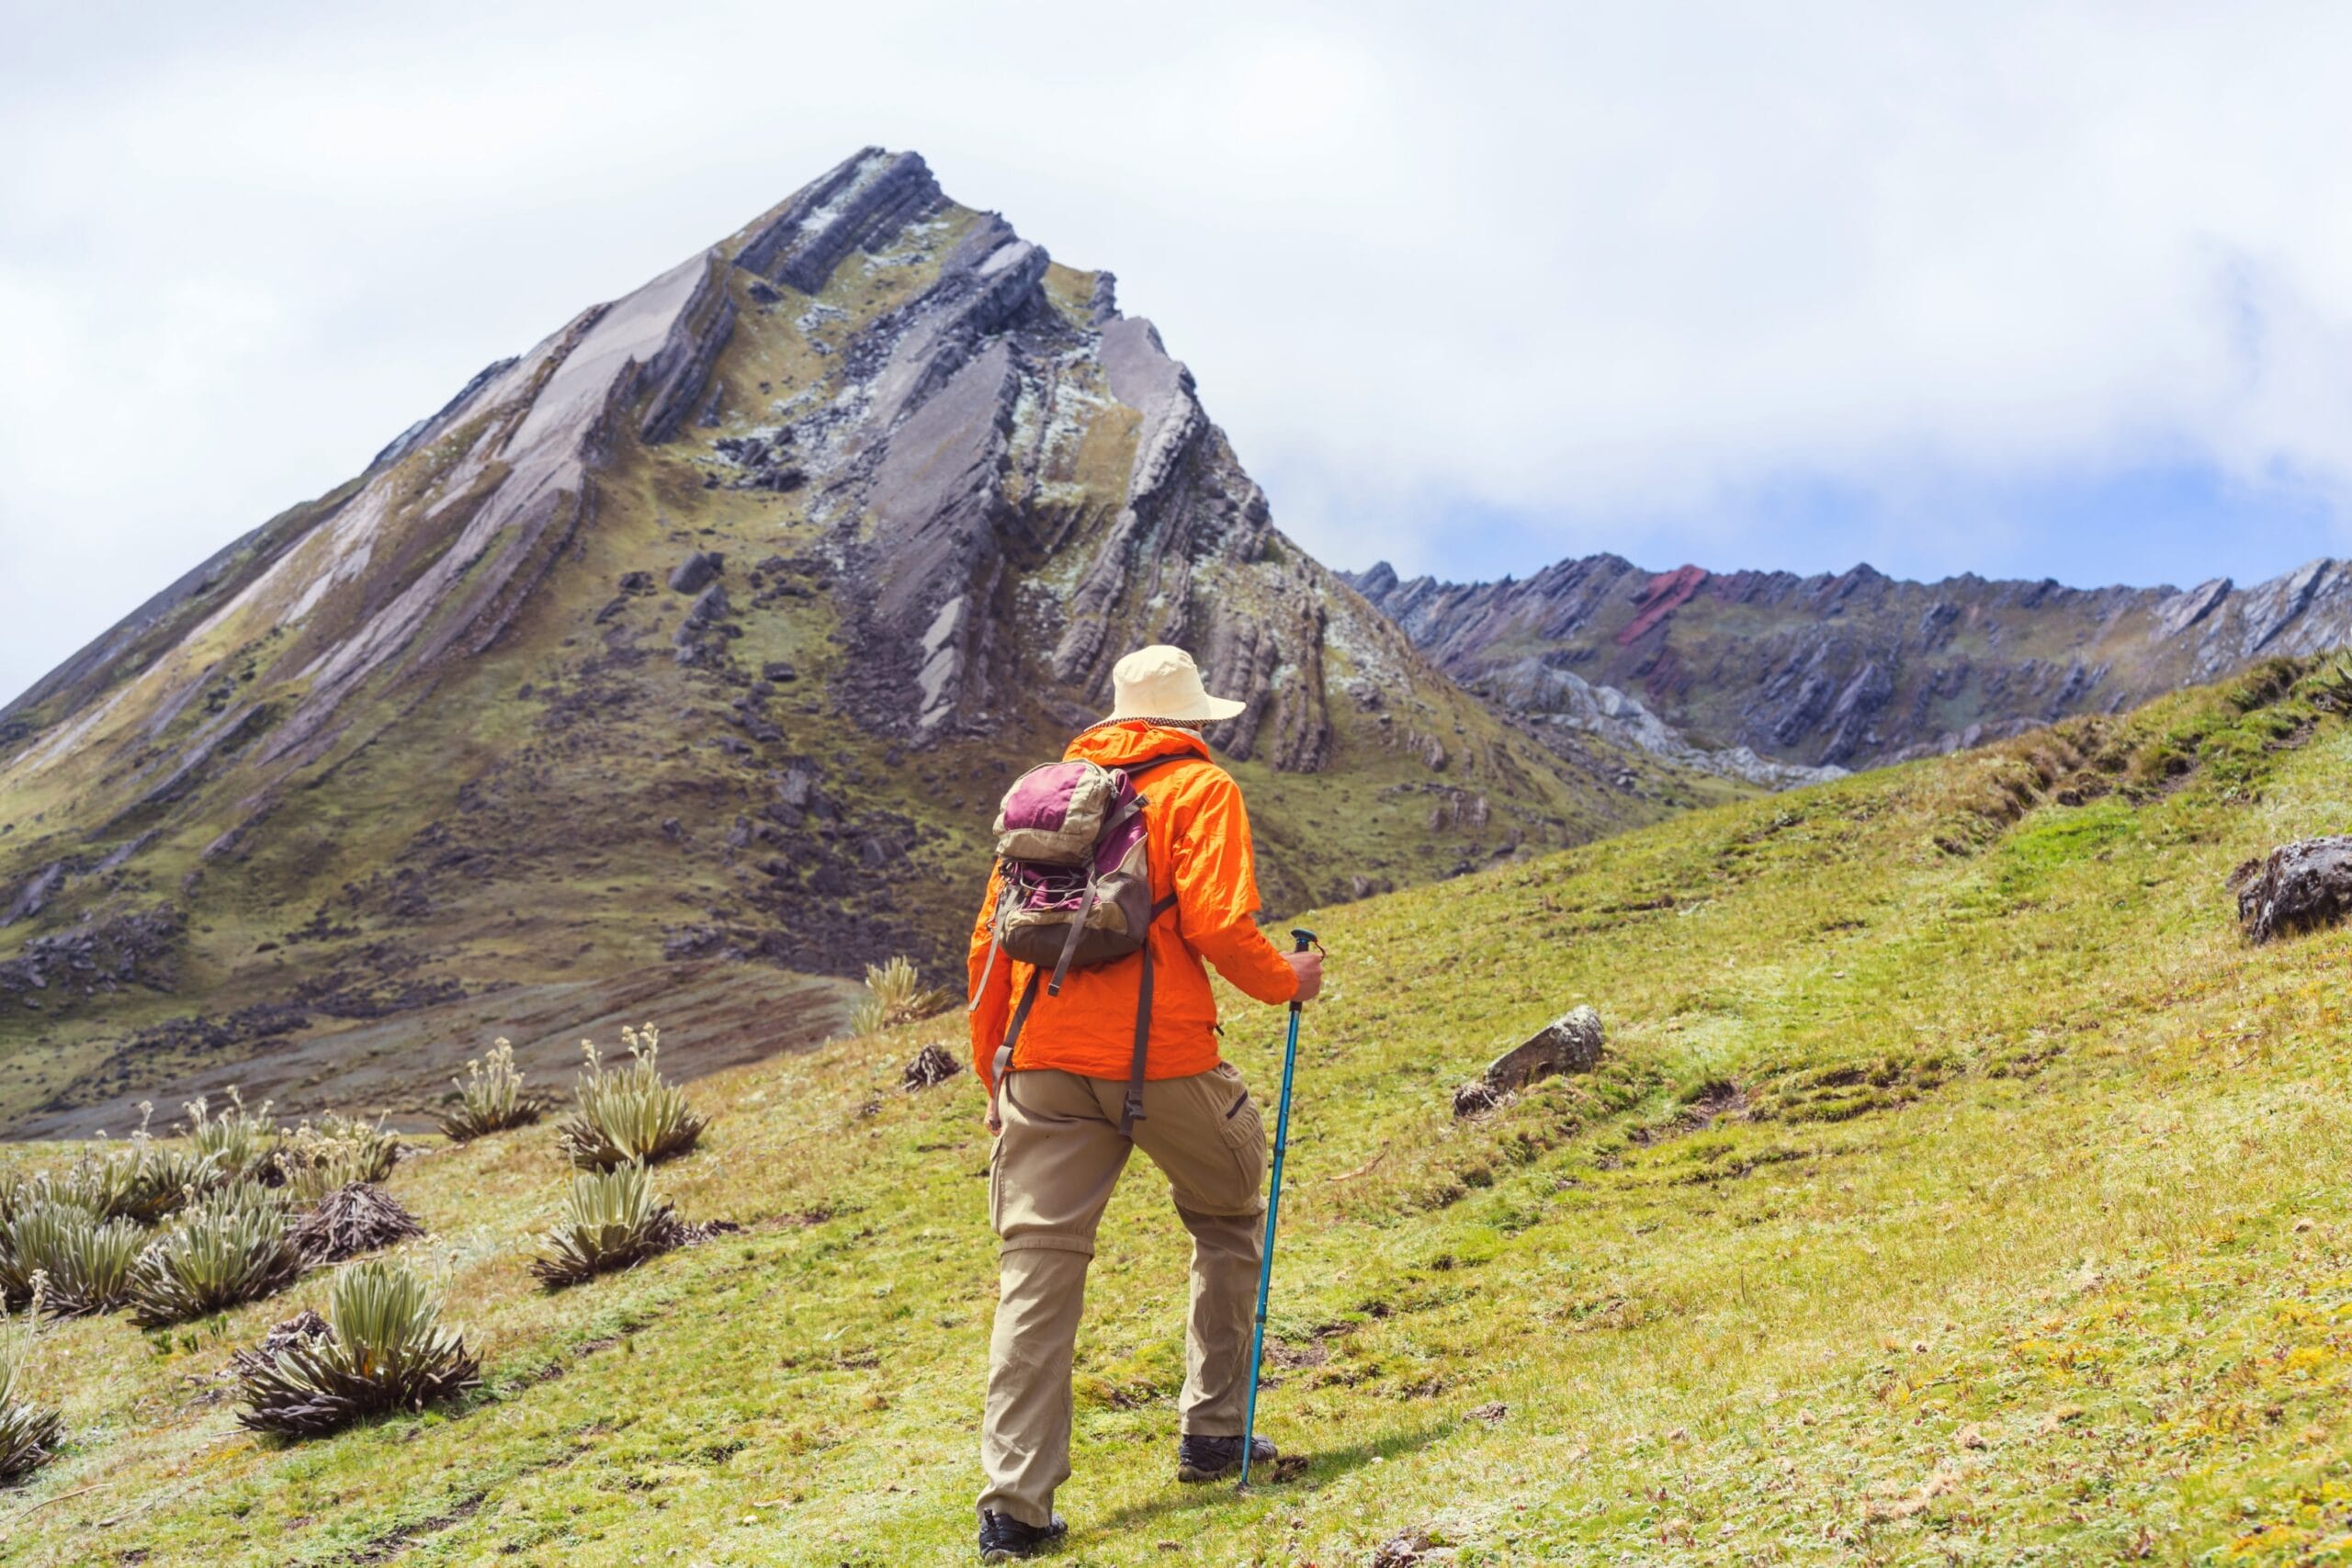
x=1852, y=669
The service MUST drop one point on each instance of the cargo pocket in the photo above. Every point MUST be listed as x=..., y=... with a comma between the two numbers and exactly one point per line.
x=1244, y=1134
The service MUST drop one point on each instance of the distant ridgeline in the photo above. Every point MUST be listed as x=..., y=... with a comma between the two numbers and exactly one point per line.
x=1847, y=672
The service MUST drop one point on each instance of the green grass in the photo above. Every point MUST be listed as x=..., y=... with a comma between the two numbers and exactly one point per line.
x=2025, y=1238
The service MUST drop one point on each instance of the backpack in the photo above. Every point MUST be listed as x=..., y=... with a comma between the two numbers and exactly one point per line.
x=1074, y=890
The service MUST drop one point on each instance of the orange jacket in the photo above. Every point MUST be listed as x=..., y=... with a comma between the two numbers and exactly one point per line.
x=1199, y=849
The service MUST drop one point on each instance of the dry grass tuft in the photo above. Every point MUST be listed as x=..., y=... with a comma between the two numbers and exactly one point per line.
x=360, y=1217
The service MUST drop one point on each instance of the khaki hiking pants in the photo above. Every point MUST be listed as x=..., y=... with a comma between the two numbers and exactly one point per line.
x=1058, y=1158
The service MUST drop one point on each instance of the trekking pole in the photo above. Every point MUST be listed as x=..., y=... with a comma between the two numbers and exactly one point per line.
x=1304, y=939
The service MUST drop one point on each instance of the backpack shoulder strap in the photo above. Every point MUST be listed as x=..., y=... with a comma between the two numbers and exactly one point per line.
x=1137, y=770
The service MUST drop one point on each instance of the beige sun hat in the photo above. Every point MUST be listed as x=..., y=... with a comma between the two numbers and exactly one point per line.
x=1161, y=681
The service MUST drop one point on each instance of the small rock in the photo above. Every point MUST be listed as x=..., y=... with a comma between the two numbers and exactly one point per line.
x=1569, y=1043
x=931, y=1065
x=698, y=570
x=2299, y=886
x=779, y=670
x=1492, y=1415
x=1475, y=1100
x=1402, y=1551
x=673, y=830
x=636, y=584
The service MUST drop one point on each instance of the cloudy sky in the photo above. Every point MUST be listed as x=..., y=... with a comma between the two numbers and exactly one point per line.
x=2025, y=290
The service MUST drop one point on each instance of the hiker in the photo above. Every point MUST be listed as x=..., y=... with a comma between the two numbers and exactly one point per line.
x=1124, y=1056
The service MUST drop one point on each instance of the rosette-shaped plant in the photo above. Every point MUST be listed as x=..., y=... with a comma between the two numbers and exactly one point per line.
x=629, y=1113
x=382, y=1347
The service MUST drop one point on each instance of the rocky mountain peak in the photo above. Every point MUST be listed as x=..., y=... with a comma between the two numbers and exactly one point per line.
x=707, y=630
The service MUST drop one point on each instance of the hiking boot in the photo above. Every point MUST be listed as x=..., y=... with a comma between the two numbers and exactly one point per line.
x=1214, y=1459
x=1004, y=1538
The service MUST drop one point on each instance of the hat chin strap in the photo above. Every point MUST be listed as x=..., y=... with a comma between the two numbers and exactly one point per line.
x=1151, y=719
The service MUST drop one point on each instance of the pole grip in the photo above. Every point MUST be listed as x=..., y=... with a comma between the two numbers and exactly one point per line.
x=1302, y=939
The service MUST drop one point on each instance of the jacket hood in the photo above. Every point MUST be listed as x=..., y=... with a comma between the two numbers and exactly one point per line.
x=1115, y=745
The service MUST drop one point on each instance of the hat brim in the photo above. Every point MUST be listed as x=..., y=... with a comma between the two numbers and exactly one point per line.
x=1212, y=710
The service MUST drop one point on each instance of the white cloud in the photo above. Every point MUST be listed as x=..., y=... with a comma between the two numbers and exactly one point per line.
x=1619, y=269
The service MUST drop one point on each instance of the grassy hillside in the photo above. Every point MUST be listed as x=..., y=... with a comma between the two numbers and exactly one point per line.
x=1960, y=1188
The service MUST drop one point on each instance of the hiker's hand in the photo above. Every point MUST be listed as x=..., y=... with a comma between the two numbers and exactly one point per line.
x=992, y=1121
x=1308, y=967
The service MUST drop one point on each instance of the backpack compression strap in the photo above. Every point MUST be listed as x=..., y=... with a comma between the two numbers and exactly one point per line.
x=1133, y=1112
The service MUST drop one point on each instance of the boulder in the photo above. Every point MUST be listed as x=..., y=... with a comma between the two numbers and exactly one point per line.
x=2299, y=887
x=696, y=572
x=1569, y=1043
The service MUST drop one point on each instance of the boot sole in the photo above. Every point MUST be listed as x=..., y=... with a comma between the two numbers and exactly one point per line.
x=1021, y=1553
x=1195, y=1477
